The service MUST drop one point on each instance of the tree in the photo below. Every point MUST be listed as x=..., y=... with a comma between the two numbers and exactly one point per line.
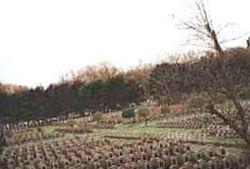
x=226, y=75
x=195, y=103
x=102, y=71
x=144, y=113
x=128, y=112
x=222, y=79
x=97, y=117
x=202, y=29
x=165, y=109
x=98, y=88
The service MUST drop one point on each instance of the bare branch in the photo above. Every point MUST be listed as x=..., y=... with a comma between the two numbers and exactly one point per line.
x=234, y=38
x=202, y=27
x=224, y=27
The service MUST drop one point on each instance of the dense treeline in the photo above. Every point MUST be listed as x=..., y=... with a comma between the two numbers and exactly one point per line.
x=208, y=73
x=104, y=88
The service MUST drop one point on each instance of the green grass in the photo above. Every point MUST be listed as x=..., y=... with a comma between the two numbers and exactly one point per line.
x=151, y=129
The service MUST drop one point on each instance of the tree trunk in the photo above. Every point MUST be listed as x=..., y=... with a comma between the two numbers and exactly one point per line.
x=217, y=45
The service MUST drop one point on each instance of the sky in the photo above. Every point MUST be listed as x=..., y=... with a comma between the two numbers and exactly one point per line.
x=42, y=40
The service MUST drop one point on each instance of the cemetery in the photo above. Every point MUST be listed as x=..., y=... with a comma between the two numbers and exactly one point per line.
x=176, y=142
x=205, y=126
x=185, y=110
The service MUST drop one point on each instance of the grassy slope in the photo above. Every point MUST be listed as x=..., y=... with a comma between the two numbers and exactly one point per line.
x=151, y=129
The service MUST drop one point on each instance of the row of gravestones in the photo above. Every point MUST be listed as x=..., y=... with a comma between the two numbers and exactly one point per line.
x=149, y=153
x=190, y=121
x=20, y=126
x=185, y=137
x=30, y=135
x=23, y=126
x=198, y=138
x=210, y=125
x=220, y=131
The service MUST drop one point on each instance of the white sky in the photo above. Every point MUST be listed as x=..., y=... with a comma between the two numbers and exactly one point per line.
x=41, y=40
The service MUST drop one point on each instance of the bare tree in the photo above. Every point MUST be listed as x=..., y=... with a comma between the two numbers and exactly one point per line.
x=203, y=30
x=223, y=79
x=102, y=71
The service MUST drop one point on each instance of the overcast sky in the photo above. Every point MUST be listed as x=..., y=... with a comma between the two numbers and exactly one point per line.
x=41, y=40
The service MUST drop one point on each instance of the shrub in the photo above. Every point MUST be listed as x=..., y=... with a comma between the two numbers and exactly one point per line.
x=144, y=113
x=71, y=123
x=97, y=116
x=40, y=130
x=196, y=102
x=128, y=113
x=165, y=109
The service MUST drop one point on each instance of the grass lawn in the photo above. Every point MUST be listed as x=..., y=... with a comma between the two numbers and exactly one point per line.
x=137, y=130
x=153, y=130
